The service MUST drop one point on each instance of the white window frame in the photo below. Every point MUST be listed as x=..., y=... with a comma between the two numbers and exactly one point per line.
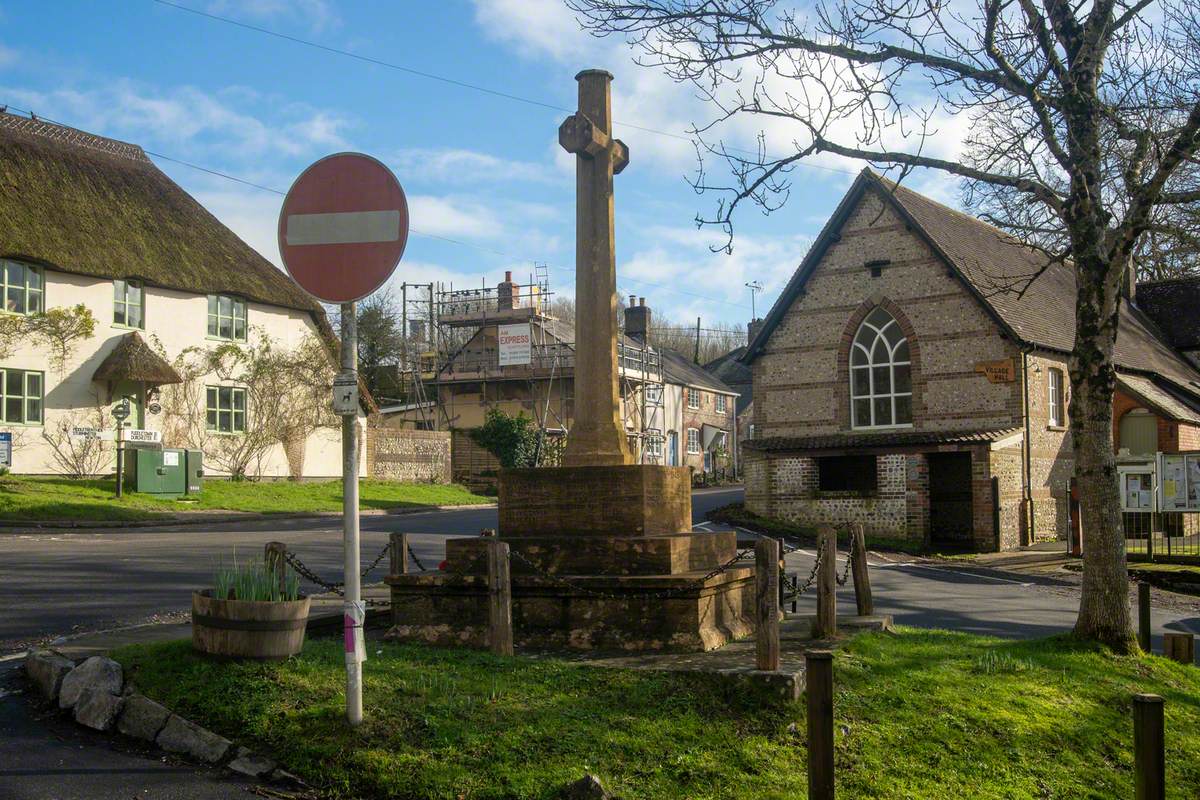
x=211, y=409
x=722, y=404
x=216, y=316
x=654, y=394
x=693, y=435
x=26, y=397
x=871, y=332
x=31, y=296
x=1055, y=407
x=122, y=303
x=693, y=399
x=654, y=446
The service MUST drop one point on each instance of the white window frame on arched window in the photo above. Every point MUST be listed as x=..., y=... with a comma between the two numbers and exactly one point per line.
x=880, y=374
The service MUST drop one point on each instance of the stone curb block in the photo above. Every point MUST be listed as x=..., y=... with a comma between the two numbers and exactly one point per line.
x=187, y=738
x=143, y=718
x=47, y=669
x=98, y=710
x=251, y=765
x=97, y=673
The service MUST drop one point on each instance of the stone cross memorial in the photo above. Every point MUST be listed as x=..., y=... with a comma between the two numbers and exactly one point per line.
x=597, y=435
x=602, y=551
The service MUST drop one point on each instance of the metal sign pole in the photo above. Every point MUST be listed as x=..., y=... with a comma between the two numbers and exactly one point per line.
x=354, y=613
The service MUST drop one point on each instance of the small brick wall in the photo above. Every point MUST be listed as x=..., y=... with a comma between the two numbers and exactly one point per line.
x=400, y=455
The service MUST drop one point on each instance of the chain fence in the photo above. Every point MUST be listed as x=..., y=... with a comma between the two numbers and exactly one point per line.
x=306, y=572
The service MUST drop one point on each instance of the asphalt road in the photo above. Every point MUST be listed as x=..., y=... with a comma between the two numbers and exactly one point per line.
x=59, y=582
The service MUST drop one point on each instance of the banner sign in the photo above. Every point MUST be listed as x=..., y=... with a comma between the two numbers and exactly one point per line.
x=514, y=341
x=1179, y=477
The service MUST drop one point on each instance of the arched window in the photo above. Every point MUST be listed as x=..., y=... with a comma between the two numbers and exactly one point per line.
x=880, y=374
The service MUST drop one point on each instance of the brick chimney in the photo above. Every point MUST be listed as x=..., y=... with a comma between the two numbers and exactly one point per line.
x=505, y=291
x=637, y=320
x=753, y=328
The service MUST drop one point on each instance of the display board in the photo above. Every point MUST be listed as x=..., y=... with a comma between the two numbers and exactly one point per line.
x=1179, y=481
x=514, y=344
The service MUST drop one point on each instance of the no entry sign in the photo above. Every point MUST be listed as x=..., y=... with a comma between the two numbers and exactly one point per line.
x=343, y=227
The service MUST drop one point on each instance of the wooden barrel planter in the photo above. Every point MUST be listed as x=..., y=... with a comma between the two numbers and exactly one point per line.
x=248, y=628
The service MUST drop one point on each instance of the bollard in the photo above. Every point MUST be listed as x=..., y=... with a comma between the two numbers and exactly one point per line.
x=826, y=626
x=399, y=553
x=862, y=580
x=500, y=632
x=1144, y=640
x=766, y=603
x=818, y=687
x=1180, y=647
x=275, y=559
x=1149, y=761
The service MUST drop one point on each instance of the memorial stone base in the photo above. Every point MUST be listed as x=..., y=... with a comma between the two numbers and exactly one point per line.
x=602, y=558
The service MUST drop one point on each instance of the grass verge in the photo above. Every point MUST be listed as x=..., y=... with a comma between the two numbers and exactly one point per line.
x=41, y=498
x=920, y=714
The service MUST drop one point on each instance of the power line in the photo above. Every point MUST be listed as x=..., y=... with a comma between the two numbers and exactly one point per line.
x=417, y=231
x=456, y=82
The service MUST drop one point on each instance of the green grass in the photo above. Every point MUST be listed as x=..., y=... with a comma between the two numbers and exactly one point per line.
x=921, y=714
x=37, y=498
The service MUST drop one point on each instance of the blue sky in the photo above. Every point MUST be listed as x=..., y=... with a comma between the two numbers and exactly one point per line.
x=480, y=169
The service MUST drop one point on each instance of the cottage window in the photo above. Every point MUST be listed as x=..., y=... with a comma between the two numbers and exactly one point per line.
x=880, y=374
x=693, y=400
x=1054, y=391
x=693, y=440
x=654, y=446
x=847, y=474
x=226, y=411
x=21, y=396
x=21, y=287
x=226, y=317
x=722, y=400
x=129, y=304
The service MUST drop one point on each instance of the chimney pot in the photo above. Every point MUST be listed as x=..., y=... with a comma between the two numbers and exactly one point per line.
x=641, y=301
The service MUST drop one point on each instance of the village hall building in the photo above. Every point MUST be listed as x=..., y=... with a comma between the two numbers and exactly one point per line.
x=92, y=221
x=904, y=381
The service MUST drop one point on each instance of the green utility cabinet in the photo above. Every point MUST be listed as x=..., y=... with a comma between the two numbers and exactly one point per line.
x=164, y=472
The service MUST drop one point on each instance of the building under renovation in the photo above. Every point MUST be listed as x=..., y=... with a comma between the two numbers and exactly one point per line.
x=500, y=347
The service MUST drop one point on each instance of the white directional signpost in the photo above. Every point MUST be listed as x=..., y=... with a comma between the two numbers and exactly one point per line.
x=342, y=230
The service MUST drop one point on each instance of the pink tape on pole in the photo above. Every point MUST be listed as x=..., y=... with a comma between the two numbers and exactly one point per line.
x=348, y=622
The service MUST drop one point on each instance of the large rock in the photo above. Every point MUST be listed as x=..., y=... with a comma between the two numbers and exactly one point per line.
x=98, y=710
x=586, y=788
x=98, y=673
x=47, y=669
x=142, y=718
x=187, y=738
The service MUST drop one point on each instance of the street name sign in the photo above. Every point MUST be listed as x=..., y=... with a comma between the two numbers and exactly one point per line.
x=343, y=227
x=141, y=438
x=93, y=433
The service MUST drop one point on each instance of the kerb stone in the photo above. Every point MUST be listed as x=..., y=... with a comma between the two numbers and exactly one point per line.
x=187, y=738
x=100, y=674
x=97, y=709
x=142, y=718
x=47, y=669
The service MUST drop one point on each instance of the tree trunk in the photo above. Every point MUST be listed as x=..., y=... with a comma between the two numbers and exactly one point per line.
x=1104, y=601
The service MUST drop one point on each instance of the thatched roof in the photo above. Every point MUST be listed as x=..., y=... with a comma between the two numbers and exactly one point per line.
x=133, y=360
x=93, y=206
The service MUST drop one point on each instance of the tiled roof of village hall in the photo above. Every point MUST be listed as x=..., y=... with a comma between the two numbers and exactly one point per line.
x=867, y=441
x=1174, y=305
x=997, y=269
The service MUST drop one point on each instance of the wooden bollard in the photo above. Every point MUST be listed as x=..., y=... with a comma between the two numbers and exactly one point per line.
x=1180, y=647
x=399, y=553
x=1144, y=640
x=862, y=579
x=275, y=559
x=826, y=627
x=818, y=687
x=500, y=632
x=766, y=603
x=1149, y=760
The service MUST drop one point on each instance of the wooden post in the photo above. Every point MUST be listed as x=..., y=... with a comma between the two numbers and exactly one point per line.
x=819, y=690
x=1180, y=647
x=766, y=603
x=399, y=553
x=1144, y=640
x=275, y=559
x=500, y=633
x=1149, y=762
x=858, y=567
x=826, y=627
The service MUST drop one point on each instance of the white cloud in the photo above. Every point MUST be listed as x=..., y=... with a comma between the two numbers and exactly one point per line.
x=461, y=166
x=534, y=27
x=453, y=217
x=7, y=56
x=314, y=14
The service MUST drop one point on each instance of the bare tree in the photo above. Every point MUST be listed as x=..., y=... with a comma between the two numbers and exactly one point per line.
x=79, y=456
x=1058, y=84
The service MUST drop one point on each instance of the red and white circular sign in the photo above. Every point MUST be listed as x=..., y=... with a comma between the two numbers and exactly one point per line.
x=343, y=227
